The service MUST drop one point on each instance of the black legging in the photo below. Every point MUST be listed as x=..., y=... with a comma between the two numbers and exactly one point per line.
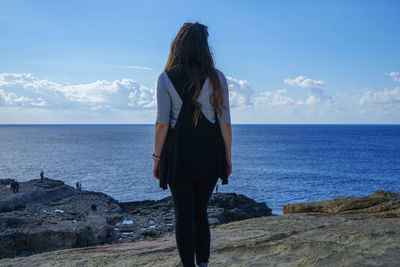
x=191, y=222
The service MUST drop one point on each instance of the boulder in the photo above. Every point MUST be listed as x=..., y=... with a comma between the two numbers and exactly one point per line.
x=230, y=207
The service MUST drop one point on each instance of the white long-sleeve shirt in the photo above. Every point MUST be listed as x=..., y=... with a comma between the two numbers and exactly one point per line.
x=169, y=103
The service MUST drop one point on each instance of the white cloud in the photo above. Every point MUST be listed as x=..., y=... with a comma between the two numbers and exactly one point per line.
x=142, y=97
x=12, y=99
x=304, y=82
x=25, y=98
x=394, y=75
x=316, y=93
x=310, y=101
x=386, y=96
x=137, y=67
x=27, y=90
x=316, y=96
x=240, y=92
x=277, y=98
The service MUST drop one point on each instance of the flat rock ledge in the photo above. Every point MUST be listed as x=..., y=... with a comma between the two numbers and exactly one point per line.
x=50, y=215
x=380, y=204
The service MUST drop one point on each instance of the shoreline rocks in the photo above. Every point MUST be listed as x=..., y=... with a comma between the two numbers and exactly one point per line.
x=300, y=239
x=50, y=215
x=337, y=232
x=382, y=204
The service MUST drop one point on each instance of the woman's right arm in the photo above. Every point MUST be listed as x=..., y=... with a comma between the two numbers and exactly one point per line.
x=226, y=131
x=225, y=122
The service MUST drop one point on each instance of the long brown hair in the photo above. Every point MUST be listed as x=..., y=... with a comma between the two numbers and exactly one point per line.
x=190, y=49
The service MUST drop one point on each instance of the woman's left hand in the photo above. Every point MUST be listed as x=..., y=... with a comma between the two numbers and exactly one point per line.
x=229, y=161
x=156, y=169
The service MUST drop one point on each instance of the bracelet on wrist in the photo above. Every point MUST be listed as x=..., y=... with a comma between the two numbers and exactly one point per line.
x=155, y=157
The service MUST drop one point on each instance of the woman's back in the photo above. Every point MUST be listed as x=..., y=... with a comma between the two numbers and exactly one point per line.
x=199, y=149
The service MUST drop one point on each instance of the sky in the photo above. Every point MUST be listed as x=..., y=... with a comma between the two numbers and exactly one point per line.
x=324, y=62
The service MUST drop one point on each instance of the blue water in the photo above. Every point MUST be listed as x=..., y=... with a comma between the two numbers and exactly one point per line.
x=277, y=164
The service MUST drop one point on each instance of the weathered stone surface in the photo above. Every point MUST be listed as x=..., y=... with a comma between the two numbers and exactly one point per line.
x=317, y=239
x=349, y=237
x=50, y=215
x=379, y=204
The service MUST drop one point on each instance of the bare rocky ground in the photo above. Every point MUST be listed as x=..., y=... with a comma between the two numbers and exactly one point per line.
x=288, y=240
x=341, y=232
x=50, y=215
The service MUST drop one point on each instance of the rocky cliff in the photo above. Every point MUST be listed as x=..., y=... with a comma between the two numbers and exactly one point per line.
x=297, y=239
x=49, y=215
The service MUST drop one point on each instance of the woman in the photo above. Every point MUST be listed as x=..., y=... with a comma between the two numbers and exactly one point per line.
x=193, y=136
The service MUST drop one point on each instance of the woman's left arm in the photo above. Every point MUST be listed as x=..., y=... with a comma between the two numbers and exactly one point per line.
x=161, y=130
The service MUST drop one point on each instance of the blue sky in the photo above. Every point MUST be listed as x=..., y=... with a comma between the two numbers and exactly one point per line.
x=286, y=61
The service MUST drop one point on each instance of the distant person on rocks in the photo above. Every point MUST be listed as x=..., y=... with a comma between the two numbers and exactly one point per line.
x=193, y=136
x=216, y=188
x=16, y=186
x=42, y=175
x=93, y=207
x=78, y=186
x=12, y=185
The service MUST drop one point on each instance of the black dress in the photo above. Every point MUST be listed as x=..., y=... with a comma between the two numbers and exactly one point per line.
x=191, y=153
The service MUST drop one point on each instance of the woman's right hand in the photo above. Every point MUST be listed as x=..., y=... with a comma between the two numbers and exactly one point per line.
x=229, y=161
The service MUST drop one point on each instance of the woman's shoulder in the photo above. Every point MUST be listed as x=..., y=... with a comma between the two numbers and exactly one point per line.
x=219, y=72
x=162, y=75
x=166, y=75
x=222, y=77
x=162, y=80
x=173, y=70
x=169, y=71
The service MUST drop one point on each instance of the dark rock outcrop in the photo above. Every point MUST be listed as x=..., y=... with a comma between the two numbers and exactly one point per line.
x=49, y=215
x=234, y=207
x=154, y=218
x=43, y=192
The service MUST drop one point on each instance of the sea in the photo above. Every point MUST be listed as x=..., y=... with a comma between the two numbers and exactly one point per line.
x=275, y=164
